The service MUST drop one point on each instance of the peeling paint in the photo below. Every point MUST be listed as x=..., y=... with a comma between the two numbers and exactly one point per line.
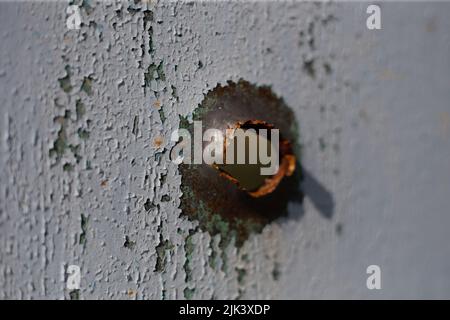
x=85, y=129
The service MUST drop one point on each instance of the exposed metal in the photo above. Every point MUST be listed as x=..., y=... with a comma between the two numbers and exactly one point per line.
x=216, y=201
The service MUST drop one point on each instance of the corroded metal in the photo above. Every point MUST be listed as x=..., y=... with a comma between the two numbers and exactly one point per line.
x=216, y=201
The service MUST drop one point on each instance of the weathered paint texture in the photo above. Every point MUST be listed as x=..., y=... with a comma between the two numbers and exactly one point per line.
x=84, y=147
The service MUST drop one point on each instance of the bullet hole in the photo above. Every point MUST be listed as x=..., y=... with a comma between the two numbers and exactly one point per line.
x=220, y=204
x=248, y=177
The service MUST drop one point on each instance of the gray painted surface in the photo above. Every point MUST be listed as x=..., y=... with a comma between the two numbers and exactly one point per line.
x=374, y=123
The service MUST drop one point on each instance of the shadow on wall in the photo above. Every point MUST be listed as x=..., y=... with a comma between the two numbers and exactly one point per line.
x=319, y=195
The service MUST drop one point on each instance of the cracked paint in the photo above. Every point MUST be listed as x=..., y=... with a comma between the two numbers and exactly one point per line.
x=85, y=140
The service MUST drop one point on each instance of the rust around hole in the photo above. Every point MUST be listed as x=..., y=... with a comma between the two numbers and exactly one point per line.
x=211, y=195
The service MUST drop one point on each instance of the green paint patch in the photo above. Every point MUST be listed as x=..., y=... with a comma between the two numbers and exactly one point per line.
x=74, y=294
x=241, y=274
x=75, y=149
x=67, y=167
x=189, y=251
x=175, y=93
x=162, y=116
x=148, y=205
x=64, y=82
x=161, y=254
x=184, y=123
x=188, y=293
x=237, y=229
x=224, y=257
x=214, y=224
x=80, y=109
x=84, y=225
x=154, y=72
x=86, y=5
x=148, y=18
x=212, y=259
x=128, y=243
x=86, y=86
x=60, y=144
x=83, y=134
x=165, y=198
